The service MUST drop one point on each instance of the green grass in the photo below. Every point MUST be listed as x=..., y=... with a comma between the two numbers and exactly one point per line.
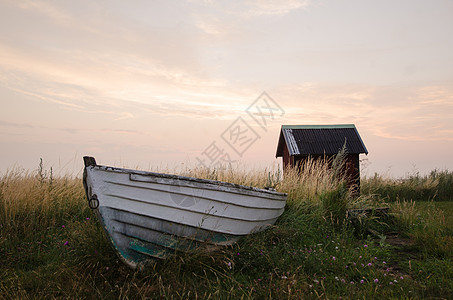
x=436, y=186
x=53, y=246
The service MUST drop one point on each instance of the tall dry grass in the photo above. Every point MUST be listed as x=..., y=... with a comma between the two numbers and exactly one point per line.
x=30, y=201
x=267, y=177
x=303, y=183
x=435, y=186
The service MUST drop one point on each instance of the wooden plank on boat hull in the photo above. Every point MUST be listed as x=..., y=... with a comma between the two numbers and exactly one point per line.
x=190, y=196
x=138, y=238
x=215, y=207
x=206, y=220
x=164, y=227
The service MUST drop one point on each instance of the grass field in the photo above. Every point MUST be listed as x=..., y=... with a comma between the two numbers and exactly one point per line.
x=53, y=246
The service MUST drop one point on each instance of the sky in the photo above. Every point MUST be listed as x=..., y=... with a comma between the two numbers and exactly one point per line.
x=155, y=84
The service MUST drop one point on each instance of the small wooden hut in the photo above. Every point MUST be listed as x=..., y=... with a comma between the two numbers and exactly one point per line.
x=299, y=142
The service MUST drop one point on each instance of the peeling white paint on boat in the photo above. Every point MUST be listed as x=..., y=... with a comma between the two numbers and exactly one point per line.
x=149, y=214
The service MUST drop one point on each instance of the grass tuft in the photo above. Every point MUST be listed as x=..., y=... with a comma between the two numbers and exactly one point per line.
x=436, y=186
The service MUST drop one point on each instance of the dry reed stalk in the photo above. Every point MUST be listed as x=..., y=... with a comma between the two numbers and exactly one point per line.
x=25, y=198
x=244, y=176
x=312, y=178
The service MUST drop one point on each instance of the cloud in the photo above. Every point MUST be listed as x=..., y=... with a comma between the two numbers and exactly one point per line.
x=402, y=112
x=229, y=20
x=275, y=7
x=82, y=62
x=103, y=61
x=15, y=125
x=42, y=7
x=254, y=8
x=91, y=20
x=103, y=85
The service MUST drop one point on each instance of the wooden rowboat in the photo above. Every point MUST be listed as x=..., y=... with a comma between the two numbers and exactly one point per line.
x=151, y=215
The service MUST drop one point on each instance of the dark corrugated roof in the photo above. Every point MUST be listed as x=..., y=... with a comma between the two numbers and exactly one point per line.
x=319, y=139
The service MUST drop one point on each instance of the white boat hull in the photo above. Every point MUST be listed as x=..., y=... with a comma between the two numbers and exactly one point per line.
x=150, y=214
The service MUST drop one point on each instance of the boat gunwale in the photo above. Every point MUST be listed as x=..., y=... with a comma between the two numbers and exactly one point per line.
x=208, y=182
